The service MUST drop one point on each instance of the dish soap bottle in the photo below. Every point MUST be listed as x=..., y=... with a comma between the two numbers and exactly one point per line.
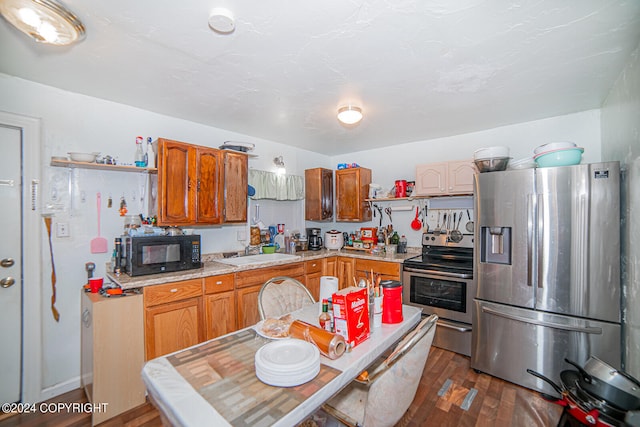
x=139, y=157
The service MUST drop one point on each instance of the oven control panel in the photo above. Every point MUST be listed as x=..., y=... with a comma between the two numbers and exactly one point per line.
x=444, y=239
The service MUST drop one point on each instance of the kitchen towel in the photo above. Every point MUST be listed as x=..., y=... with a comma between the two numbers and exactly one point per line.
x=269, y=185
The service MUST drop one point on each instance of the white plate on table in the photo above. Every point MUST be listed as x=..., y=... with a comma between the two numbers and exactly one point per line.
x=287, y=363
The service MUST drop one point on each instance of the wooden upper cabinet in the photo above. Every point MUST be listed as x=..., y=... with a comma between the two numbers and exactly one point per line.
x=318, y=191
x=236, y=181
x=209, y=191
x=189, y=184
x=352, y=189
x=441, y=179
x=176, y=183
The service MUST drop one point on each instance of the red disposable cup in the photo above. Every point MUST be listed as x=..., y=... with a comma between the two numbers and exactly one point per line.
x=95, y=284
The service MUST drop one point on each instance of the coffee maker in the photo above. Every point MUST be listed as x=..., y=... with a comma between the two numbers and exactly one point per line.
x=315, y=239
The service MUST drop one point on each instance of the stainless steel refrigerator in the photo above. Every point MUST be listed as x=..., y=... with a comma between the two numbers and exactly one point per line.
x=548, y=271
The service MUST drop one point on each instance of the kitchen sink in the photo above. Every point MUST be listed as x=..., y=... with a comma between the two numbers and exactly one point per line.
x=257, y=259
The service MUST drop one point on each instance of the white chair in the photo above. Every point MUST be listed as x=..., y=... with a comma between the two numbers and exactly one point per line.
x=281, y=295
x=381, y=397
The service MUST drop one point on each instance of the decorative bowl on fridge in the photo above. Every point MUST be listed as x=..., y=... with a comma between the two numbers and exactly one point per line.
x=561, y=157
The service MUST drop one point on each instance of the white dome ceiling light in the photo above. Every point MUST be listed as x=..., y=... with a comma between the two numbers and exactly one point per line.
x=45, y=21
x=221, y=21
x=349, y=114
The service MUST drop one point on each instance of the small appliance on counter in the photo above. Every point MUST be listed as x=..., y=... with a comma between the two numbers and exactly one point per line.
x=314, y=242
x=333, y=239
x=159, y=254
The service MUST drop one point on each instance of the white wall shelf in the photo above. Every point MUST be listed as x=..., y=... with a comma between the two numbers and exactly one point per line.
x=101, y=166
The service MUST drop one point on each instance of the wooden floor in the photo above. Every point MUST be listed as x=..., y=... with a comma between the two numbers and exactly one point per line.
x=496, y=404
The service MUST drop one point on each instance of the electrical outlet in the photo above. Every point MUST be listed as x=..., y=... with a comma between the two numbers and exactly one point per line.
x=241, y=236
x=62, y=229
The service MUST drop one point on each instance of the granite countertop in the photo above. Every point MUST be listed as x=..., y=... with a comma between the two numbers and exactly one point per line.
x=213, y=268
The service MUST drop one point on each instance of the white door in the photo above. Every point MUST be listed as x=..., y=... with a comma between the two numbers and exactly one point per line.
x=10, y=263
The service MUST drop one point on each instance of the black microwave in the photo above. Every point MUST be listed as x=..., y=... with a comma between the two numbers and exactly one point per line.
x=161, y=254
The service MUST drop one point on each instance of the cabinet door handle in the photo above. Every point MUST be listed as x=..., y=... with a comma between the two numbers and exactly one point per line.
x=219, y=282
x=174, y=290
x=7, y=282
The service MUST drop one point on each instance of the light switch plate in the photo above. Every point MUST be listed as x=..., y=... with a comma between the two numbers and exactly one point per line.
x=62, y=229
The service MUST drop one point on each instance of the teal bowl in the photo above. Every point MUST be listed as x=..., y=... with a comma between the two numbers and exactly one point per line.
x=561, y=157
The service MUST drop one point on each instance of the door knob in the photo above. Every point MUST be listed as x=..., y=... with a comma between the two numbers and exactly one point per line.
x=7, y=262
x=7, y=281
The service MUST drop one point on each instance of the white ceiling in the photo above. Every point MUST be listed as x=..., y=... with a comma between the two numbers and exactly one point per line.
x=420, y=69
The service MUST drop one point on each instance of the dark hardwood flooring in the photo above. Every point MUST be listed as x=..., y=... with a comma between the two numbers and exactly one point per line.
x=497, y=403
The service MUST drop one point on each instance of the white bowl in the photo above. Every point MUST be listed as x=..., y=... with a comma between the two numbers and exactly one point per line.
x=526, y=163
x=544, y=148
x=491, y=153
x=83, y=157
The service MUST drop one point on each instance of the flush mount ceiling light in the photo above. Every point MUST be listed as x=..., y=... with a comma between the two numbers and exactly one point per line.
x=46, y=21
x=349, y=114
x=221, y=21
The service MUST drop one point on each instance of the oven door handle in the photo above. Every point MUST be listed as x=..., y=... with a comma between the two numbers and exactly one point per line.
x=455, y=327
x=436, y=273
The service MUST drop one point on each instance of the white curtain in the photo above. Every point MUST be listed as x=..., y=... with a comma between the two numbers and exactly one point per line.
x=269, y=185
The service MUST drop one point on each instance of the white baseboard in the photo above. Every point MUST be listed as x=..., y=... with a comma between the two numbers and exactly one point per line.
x=58, y=389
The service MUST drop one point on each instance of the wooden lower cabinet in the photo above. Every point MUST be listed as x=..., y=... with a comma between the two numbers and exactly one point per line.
x=173, y=317
x=181, y=314
x=387, y=270
x=345, y=272
x=112, y=353
x=248, y=284
x=329, y=266
x=219, y=305
x=312, y=275
x=247, y=306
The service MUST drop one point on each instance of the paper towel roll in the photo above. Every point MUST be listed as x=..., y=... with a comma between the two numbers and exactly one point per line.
x=328, y=286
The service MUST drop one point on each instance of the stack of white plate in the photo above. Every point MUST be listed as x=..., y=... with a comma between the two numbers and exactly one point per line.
x=287, y=363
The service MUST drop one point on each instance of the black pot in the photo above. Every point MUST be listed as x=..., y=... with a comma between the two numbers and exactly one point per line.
x=578, y=404
x=571, y=382
x=605, y=391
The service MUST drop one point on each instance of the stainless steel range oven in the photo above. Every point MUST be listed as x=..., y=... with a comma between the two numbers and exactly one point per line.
x=440, y=281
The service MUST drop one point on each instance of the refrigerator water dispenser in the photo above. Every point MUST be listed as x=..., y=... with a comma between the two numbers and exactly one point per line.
x=495, y=245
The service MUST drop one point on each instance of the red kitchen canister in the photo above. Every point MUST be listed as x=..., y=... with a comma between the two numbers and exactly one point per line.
x=401, y=188
x=391, y=301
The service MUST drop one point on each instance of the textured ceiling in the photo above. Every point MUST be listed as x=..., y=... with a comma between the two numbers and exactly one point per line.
x=420, y=69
